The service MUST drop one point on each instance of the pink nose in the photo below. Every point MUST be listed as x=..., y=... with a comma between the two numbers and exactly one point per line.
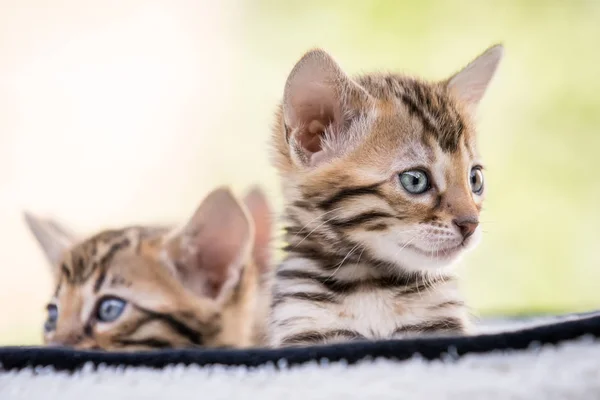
x=467, y=226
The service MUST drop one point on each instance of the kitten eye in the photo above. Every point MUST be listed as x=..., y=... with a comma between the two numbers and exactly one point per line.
x=109, y=309
x=415, y=182
x=50, y=323
x=476, y=179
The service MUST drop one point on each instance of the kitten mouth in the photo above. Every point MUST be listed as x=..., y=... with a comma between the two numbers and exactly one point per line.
x=440, y=254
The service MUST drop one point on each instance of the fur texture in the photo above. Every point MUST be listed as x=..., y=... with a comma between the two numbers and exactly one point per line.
x=154, y=287
x=366, y=257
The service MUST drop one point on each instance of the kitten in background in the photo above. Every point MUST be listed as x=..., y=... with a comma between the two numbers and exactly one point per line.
x=148, y=287
x=383, y=185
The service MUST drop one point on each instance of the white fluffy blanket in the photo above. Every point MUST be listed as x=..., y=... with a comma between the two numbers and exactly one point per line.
x=569, y=370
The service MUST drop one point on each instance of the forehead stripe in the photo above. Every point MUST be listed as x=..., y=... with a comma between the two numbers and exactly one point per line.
x=420, y=112
x=106, y=259
x=100, y=280
x=432, y=104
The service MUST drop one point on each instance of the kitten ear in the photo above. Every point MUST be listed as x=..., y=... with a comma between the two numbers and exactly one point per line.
x=258, y=207
x=54, y=239
x=472, y=81
x=318, y=100
x=209, y=253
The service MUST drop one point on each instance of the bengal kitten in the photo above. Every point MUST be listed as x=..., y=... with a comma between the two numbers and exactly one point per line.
x=153, y=287
x=383, y=186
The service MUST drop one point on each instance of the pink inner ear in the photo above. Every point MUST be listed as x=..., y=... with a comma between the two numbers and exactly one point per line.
x=317, y=98
x=310, y=138
x=312, y=109
x=212, y=255
x=211, y=248
x=471, y=82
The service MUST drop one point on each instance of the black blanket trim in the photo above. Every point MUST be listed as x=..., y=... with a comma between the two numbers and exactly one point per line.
x=15, y=358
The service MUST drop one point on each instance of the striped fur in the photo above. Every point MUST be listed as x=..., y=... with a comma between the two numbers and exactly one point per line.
x=168, y=303
x=365, y=259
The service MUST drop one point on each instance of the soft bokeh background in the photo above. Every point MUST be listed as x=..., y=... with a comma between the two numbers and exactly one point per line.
x=118, y=112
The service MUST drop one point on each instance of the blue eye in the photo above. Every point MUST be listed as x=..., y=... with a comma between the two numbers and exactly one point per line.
x=415, y=182
x=476, y=180
x=50, y=324
x=109, y=309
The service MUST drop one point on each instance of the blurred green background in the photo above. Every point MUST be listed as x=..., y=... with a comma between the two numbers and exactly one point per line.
x=539, y=122
x=120, y=114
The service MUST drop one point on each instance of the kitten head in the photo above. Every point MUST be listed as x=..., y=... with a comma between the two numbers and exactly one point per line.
x=384, y=165
x=152, y=287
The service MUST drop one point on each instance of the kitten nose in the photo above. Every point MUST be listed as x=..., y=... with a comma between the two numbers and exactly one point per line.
x=467, y=226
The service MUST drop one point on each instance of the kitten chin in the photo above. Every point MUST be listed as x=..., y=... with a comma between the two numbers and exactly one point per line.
x=422, y=257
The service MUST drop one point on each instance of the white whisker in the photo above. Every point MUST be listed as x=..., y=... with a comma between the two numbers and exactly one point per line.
x=316, y=218
x=342, y=262
x=313, y=231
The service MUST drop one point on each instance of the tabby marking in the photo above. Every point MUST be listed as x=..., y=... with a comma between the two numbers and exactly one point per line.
x=141, y=287
x=383, y=186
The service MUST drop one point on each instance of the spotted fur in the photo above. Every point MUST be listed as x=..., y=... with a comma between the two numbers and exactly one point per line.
x=366, y=259
x=201, y=285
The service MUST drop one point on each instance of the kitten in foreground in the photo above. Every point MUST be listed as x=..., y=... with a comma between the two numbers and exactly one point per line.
x=383, y=186
x=153, y=287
